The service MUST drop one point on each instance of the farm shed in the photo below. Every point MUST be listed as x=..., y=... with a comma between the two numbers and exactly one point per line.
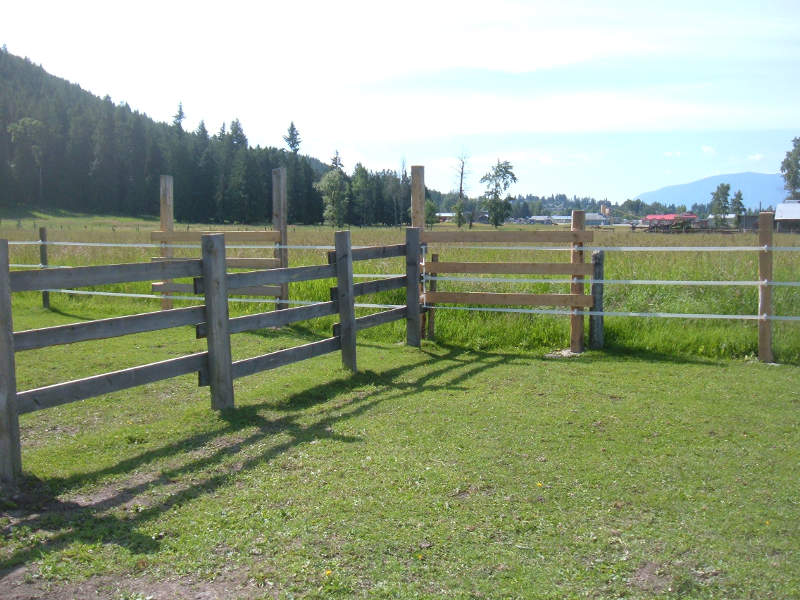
x=787, y=217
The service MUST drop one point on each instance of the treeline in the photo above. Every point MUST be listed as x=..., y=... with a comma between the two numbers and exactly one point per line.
x=64, y=148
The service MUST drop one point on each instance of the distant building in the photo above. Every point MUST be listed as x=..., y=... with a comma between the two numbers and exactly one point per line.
x=787, y=217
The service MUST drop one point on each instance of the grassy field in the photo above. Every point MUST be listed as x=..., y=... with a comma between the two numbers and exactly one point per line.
x=713, y=339
x=475, y=467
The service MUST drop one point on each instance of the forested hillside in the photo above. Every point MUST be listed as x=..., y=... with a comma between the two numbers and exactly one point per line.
x=61, y=147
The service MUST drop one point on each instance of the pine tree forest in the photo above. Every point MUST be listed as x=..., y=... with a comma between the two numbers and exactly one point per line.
x=62, y=148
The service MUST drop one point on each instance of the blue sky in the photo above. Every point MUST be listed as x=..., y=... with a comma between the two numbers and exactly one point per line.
x=609, y=99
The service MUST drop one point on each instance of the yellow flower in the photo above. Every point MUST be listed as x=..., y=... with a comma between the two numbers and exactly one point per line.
x=328, y=572
x=539, y=484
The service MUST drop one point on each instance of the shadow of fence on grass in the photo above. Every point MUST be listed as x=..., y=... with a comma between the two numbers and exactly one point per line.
x=90, y=522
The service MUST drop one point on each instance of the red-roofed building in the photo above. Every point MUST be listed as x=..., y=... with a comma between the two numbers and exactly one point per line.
x=670, y=222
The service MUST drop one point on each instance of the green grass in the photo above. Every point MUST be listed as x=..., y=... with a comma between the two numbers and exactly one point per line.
x=444, y=471
x=472, y=467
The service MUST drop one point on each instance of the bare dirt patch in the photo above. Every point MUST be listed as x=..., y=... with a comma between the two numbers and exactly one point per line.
x=17, y=585
x=650, y=577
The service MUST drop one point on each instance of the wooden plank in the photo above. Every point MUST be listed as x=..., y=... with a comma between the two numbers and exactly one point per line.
x=413, y=320
x=765, y=237
x=379, y=285
x=188, y=288
x=374, y=252
x=32, y=339
x=505, y=237
x=514, y=268
x=280, y=216
x=273, y=360
x=218, y=336
x=98, y=385
x=43, y=261
x=10, y=457
x=167, y=224
x=275, y=318
x=257, y=290
x=418, y=196
x=252, y=237
x=373, y=320
x=596, y=323
x=576, y=320
x=274, y=276
x=22, y=281
x=169, y=287
x=345, y=299
x=236, y=263
x=509, y=299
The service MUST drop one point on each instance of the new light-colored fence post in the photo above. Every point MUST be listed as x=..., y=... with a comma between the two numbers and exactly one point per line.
x=345, y=298
x=412, y=286
x=766, y=222
x=10, y=459
x=215, y=287
x=576, y=319
x=418, y=197
x=430, y=269
x=167, y=224
x=596, y=333
x=280, y=217
x=43, y=262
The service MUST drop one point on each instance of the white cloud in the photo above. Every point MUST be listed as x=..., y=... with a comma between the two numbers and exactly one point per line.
x=709, y=150
x=672, y=154
x=755, y=157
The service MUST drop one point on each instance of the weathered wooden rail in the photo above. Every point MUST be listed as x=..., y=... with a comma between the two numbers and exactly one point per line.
x=211, y=321
x=577, y=300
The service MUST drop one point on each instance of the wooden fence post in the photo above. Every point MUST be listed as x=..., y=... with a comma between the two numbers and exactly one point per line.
x=432, y=287
x=167, y=224
x=765, y=226
x=10, y=458
x=280, y=217
x=412, y=286
x=43, y=262
x=215, y=287
x=596, y=324
x=346, y=299
x=576, y=319
x=418, y=197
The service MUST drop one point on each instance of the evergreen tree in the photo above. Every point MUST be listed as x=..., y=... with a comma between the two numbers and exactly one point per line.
x=737, y=207
x=292, y=138
x=719, y=203
x=333, y=187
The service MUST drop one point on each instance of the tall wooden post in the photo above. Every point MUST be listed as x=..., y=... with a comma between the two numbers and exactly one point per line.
x=280, y=210
x=576, y=318
x=43, y=262
x=596, y=324
x=346, y=299
x=766, y=221
x=412, y=286
x=167, y=224
x=215, y=286
x=418, y=197
x=10, y=458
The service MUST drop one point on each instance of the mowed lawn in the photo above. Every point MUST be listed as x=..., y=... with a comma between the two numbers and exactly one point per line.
x=436, y=472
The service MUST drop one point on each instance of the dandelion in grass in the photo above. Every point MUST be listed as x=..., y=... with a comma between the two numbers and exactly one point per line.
x=328, y=572
x=539, y=484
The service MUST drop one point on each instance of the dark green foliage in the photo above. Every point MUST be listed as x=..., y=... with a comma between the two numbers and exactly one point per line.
x=790, y=169
x=63, y=148
x=497, y=181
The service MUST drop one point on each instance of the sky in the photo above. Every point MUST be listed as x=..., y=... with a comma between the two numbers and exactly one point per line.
x=602, y=99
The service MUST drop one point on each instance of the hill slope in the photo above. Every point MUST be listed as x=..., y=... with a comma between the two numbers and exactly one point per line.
x=757, y=188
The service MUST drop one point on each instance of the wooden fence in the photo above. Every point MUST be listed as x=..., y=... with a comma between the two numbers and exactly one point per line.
x=577, y=269
x=167, y=237
x=211, y=320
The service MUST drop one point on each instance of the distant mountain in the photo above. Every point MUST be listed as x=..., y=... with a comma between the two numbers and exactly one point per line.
x=764, y=188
